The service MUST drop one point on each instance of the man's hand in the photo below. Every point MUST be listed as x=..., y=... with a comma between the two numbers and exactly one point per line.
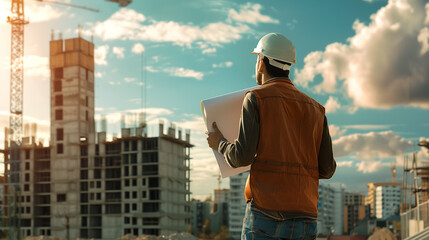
x=213, y=137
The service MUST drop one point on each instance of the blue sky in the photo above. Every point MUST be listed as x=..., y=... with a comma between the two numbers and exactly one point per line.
x=365, y=61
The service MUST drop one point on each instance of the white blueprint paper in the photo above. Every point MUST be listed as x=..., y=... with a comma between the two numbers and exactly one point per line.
x=225, y=110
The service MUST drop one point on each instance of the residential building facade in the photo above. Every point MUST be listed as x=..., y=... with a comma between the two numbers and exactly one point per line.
x=237, y=204
x=330, y=220
x=384, y=199
x=85, y=186
x=354, y=210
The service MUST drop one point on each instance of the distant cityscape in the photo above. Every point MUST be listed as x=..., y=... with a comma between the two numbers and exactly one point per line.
x=85, y=186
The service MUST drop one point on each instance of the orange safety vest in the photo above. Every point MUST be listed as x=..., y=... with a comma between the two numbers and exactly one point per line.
x=284, y=175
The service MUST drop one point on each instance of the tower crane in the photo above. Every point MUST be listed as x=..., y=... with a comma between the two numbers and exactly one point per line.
x=12, y=163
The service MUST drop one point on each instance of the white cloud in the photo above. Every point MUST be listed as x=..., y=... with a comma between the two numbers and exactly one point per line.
x=332, y=105
x=369, y=166
x=128, y=79
x=37, y=67
x=101, y=54
x=118, y=51
x=250, y=13
x=41, y=12
x=98, y=74
x=367, y=126
x=138, y=48
x=209, y=50
x=336, y=131
x=131, y=25
x=423, y=38
x=345, y=163
x=151, y=69
x=372, y=145
x=113, y=83
x=223, y=65
x=186, y=73
x=383, y=65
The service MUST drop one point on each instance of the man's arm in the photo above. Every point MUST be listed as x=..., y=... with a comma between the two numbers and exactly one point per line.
x=327, y=164
x=242, y=151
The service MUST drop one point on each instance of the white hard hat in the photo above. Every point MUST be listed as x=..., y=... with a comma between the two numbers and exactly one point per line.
x=275, y=46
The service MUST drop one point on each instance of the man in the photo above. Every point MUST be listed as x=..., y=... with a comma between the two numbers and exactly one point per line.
x=284, y=136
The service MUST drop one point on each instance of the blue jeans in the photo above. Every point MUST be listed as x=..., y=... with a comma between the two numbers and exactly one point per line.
x=257, y=226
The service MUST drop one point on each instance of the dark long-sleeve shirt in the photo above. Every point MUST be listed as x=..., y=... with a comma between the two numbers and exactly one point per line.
x=242, y=151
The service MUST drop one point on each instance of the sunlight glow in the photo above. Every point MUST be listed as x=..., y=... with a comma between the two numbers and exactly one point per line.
x=4, y=10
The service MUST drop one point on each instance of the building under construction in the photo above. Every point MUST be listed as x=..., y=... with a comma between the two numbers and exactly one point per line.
x=83, y=186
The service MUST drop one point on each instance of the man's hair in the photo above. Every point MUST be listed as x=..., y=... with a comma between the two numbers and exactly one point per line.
x=275, y=71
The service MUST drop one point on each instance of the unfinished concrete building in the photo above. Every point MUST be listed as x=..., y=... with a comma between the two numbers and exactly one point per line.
x=83, y=186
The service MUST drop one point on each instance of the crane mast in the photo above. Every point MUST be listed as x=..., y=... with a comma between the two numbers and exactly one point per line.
x=12, y=170
x=17, y=21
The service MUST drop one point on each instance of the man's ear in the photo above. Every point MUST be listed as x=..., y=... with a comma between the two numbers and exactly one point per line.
x=261, y=65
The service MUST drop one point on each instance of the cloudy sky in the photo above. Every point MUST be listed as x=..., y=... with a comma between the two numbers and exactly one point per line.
x=365, y=61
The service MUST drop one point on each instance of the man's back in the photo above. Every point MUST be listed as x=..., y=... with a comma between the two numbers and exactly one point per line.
x=284, y=175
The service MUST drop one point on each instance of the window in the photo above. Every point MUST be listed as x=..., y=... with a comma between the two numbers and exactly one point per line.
x=126, y=171
x=83, y=208
x=59, y=100
x=84, y=162
x=84, y=150
x=150, y=221
x=126, y=220
x=60, y=134
x=26, y=187
x=61, y=197
x=57, y=86
x=98, y=162
x=127, y=195
x=86, y=115
x=86, y=101
x=58, y=73
x=27, y=177
x=134, y=194
x=150, y=207
x=127, y=208
x=154, y=194
x=60, y=149
x=113, y=208
x=59, y=114
x=27, y=154
x=84, y=186
x=97, y=175
x=27, y=166
x=84, y=174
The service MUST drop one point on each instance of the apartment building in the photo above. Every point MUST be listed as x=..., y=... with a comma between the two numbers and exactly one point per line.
x=84, y=186
x=237, y=204
x=354, y=210
x=330, y=220
x=384, y=199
